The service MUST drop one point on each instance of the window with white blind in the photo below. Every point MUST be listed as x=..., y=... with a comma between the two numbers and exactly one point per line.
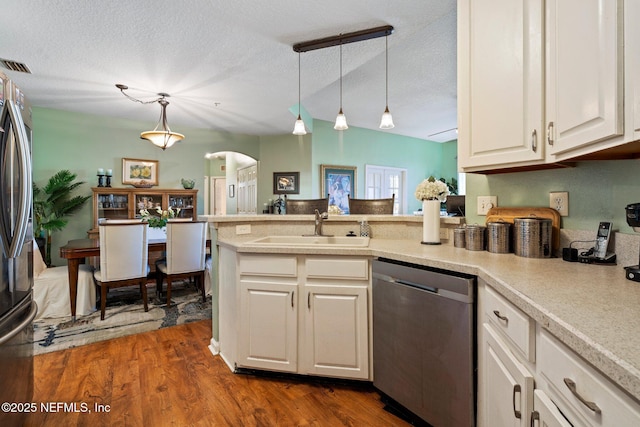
x=382, y=182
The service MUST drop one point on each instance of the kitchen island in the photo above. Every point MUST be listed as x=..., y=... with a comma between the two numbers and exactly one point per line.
x=592, y=309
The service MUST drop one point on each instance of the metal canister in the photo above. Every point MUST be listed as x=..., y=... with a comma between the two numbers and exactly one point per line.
x=459, y=237
x=475, y=237
x=532, y=237
x=499, y=237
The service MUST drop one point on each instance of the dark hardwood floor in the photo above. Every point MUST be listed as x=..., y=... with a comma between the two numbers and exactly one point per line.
x=169, y=377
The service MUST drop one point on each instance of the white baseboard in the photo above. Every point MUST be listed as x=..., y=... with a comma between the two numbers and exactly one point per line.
x=214, y=347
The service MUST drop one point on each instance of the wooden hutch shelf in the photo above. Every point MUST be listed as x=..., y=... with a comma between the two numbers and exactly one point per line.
x=125, y=203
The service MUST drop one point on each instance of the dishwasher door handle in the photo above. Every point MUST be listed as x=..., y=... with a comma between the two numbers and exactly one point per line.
x=416, y=285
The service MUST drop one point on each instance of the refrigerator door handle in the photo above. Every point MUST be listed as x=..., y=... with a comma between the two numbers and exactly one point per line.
x=13, y=244
x=26, y=322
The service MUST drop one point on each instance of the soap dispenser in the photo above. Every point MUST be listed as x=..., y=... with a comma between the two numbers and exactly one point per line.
x=364, y=228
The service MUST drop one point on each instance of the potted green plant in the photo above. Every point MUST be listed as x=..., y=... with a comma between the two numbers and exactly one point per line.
x=52, y=204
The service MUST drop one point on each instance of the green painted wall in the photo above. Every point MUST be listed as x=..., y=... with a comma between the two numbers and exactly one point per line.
x=598, y=191
x=284, y=153
x=83, y=143
x=359, y=147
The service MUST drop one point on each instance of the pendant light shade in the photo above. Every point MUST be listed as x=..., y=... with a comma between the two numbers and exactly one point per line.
x=387, y=121
x=298, y=127
x=161, y=136
x=341, y=120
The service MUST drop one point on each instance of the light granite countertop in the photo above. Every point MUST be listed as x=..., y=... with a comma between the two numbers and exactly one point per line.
x=592, y=308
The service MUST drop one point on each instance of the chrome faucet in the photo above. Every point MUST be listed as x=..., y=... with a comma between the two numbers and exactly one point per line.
x=319, y=218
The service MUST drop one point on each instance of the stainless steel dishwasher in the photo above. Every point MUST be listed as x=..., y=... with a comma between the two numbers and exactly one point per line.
x=424, y=341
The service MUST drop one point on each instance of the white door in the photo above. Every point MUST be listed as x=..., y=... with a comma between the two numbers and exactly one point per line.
x=218, y=198
x=584, y=72
x=382, y=182
x=506, y=385
x=247, y=190
x=500, y=83
x=336, y=332
x=268, y=326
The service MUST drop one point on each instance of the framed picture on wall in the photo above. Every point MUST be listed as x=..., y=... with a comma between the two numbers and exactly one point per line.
x=139, y=172
x=339, y=183
x=286, y=183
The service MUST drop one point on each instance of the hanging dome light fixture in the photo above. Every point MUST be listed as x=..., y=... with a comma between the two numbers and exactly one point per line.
x=161, y=136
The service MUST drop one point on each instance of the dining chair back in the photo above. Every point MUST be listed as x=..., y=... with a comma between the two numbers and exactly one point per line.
x=305, y=206
x=372, y=206
x=123, y=259
x=185, y=255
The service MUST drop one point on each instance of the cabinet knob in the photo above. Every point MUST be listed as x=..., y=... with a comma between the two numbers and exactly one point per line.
x=534, y=141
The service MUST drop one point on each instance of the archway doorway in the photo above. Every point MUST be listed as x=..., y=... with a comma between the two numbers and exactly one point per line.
x=230, y=183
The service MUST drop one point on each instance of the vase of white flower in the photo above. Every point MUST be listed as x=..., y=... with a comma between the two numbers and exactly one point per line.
x=431, y=192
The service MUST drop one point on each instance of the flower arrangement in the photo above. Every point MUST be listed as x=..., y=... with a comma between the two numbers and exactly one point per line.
x=160, y=220
x=432, y=189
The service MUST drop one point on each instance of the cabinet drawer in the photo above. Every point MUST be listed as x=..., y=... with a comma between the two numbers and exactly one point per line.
x=595, y=400
x=269, y=265
x=512, y=322
x=338, y=268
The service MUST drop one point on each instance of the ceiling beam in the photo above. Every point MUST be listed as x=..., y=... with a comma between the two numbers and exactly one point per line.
x=356, y=36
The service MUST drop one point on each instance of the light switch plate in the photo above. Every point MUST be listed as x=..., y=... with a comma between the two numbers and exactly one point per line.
x=485, y=203
x=559, y=200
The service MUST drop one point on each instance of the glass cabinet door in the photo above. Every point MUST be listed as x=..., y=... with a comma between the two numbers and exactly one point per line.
x=149, y=202
x=113, y=206
x=184, y=202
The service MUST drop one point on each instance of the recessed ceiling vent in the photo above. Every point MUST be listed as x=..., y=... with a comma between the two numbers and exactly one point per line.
x=15, y=66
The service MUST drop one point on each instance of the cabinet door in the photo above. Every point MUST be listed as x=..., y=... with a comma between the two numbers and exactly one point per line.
x=268, y=325
x=500, y=83
x=336, y=333
x=545, y=413
x=506, y=385
x=584, y=73
x=184, y=202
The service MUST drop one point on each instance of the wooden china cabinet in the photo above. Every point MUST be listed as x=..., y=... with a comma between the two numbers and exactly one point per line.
x=125, y=203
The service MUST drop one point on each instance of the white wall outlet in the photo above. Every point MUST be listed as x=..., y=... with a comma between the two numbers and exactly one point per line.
x=243, y=229
x=485, y=203
x=559, y=200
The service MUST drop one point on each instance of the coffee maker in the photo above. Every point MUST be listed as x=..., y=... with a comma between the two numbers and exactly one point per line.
x=633, y=219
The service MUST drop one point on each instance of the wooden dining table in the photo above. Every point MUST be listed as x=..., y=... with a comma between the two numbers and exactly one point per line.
x=76, y=251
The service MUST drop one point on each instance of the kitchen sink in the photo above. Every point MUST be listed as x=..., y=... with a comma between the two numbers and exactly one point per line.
x=311, y=241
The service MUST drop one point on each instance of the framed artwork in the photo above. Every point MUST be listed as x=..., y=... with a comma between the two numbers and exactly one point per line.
x=139, y=172
x=286, y=183
x=339, y=182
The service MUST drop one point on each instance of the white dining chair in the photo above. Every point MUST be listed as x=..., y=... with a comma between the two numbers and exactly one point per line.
x=185, y=255
x=123, y=259
x=51, y=289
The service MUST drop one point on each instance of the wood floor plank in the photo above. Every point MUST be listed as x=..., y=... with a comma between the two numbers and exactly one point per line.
x=169, y=377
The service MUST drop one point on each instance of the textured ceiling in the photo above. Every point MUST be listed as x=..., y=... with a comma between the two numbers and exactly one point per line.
x=230, y=66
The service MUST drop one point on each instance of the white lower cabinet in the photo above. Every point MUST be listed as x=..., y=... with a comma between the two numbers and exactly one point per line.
x=545, y=412
x=304, y=314
x=527, y=377
x=507, y=385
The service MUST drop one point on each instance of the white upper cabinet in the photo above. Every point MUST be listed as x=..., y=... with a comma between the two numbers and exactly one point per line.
x=500, y=83
x=584, y=73
x=545, y=82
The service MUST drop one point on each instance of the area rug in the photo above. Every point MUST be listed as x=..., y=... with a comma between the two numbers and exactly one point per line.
x=124, y=316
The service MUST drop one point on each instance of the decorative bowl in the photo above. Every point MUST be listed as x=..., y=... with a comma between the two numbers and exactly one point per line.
x=188, y=184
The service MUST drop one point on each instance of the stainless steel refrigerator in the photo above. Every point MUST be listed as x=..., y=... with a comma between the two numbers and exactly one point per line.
x=17, y=308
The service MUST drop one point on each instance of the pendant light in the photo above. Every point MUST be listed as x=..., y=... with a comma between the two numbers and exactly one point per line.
x=298, y=128
x=161, y=136
x=341, y=120
x=387, y=120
